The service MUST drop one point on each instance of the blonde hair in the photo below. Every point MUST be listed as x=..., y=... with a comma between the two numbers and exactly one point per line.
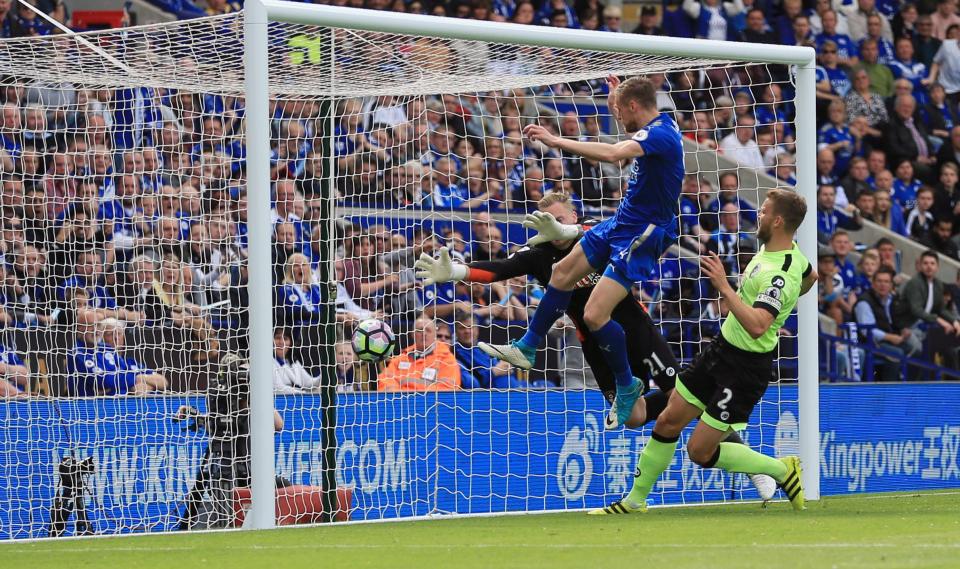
x=288, y=269
x=551, y=198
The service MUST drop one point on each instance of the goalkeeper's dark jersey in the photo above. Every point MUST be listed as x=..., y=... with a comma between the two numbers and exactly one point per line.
x=650, y=355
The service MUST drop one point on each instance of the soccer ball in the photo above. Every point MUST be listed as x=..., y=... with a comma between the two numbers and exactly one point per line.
x=373, y=340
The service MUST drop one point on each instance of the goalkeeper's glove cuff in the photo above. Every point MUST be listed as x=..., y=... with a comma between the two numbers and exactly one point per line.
x=568, y=232
x=459, y=272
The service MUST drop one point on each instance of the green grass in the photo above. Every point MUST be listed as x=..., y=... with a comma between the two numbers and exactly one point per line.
x=880, y=531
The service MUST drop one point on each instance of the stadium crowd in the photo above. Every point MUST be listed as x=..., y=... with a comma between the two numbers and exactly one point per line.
x=124, y=211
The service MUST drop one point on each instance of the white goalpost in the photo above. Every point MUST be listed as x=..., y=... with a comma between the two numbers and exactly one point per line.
x=259, y=13
x=180, y=199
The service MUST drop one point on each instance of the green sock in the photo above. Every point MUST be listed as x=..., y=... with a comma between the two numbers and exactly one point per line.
x=655, y=458
x=736, y=457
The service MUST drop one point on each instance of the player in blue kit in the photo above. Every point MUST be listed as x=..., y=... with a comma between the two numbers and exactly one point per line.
x=625, y=247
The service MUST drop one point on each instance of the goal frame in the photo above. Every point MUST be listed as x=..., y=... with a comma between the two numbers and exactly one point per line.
x=258, y=13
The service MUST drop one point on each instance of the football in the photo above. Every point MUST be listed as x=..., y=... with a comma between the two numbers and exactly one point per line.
x=373, y=340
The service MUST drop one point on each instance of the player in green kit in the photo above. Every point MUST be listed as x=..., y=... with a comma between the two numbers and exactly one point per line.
x=726, y=381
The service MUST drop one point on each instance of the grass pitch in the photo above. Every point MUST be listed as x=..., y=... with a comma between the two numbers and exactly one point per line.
x=878, y=531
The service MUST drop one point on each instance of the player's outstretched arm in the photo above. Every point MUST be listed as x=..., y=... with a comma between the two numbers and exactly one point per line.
x=442, y=269
x=756, y=321
x=624, y=150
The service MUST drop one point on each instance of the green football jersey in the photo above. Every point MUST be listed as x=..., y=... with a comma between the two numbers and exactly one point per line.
x=772, y=282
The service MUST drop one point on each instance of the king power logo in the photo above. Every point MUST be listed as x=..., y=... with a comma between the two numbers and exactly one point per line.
x=931, y=459
x=575, y=465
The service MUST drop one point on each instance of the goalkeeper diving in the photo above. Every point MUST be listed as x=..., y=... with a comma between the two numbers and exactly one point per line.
x=558, y=230
x=726, y=381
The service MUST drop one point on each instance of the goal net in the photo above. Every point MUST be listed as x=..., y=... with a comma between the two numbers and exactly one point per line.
x=125, y=306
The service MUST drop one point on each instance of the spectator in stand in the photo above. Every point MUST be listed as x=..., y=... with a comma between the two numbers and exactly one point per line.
x=875, y=32
x=876, y=163
x=757, y=30
x=802, y=35
x=826, y=175
x=945, y=68
x=289, y=376
x=888, y=255
x=932, y=320
x=219, y=7
x=364, y=277
x=842, y=246
x=905, y=66
x=882, y=316
x=946, y=196
x=939, y=239
x=14, y=375
x=938, y=115
x=880, y=75
x=903, y=23
x=866, y=202
x=883, y=181
x=783, y=25
x=832, y=81
x=944, y=18
x=855, y=182
x=741, y=146
x=347, y=372
x=830, y=219
x=920, y=218
x=427, y=365
x=866, y=268
x=299, y=297
x=649, y=24
x=816, y=17
x=924, y=44
x=858, y=16
x=549, y=11
x=907, y=139
x=166, y=301
x=837, y=136
x=97, y=366
x=887, y=213
x=847, y=54
x=830, y=286
x=905, y=186
x=488, y=372
x=612, y=18
x=950, y=151
x=712, y=18
x=24, y=22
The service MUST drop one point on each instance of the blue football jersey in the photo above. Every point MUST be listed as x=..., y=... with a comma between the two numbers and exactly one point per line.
x=655, y=178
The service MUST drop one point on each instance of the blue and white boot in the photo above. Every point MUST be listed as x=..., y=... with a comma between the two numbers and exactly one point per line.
x=511, y=353
x=623, y=404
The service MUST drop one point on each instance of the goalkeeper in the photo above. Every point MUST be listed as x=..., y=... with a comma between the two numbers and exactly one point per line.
x=648, y=350
x=729, y=378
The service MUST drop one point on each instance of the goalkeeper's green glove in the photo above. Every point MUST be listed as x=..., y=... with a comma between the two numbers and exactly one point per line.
x=439, y=270
x=548, y=228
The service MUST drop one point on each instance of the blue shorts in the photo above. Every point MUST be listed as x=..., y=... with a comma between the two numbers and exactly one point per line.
x=630, y=253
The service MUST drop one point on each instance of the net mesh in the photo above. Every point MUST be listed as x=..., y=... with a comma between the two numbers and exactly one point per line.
x=124, y=263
